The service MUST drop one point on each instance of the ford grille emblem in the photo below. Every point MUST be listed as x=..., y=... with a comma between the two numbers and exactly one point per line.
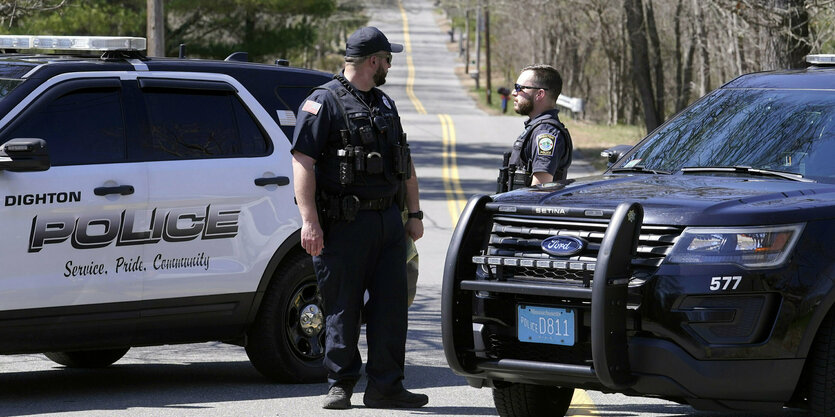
x=563, y=245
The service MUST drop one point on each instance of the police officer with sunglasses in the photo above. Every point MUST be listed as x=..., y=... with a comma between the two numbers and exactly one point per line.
x=542, y=153
x=353, y=175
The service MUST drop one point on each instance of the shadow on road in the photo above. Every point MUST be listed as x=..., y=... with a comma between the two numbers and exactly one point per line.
x=178, y=386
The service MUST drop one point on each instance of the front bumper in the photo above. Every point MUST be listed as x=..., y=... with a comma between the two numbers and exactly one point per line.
x=634, y=365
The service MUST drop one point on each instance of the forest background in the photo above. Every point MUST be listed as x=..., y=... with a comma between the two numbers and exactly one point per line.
x=633, y=62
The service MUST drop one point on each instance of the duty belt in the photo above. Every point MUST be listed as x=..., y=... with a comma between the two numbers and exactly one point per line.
x=346, y=207
x=376, y=204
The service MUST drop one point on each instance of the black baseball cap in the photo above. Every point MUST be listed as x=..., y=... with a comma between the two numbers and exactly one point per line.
x=368, y=40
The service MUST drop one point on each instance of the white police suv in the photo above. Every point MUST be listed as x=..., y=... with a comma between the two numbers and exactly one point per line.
x=148, y=201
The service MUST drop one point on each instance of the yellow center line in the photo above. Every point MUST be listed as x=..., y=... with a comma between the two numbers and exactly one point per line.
x=410, y=67
x=446, y=169
x=582, y=405
x=455, y=178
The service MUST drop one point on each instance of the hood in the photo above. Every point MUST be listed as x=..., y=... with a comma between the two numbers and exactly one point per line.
x=693, y=199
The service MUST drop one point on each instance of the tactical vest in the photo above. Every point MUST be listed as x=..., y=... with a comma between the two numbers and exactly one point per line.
x=368, y=153
x=516, y=173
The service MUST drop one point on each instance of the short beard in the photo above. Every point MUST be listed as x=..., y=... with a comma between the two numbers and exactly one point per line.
x=380, y=76
x=524, y=107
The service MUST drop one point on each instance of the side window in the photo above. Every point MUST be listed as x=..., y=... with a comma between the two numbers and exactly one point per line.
x=84, y=126
x=291, y=98
x=192, y=124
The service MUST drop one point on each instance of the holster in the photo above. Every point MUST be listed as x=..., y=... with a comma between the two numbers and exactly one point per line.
x=501, y=186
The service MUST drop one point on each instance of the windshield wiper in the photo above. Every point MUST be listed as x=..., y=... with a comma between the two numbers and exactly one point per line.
x=741, y=169
x=642, y=170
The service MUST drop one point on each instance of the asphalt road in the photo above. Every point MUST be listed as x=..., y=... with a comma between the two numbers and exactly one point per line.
x=456, y=148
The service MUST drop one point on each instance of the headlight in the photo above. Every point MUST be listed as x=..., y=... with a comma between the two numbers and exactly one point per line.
x=749, y=247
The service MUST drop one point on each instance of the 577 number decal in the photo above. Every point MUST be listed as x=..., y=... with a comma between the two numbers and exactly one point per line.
x=725, y=283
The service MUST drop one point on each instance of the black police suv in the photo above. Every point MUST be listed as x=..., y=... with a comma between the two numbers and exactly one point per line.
x=149, y=201
x=698, y=268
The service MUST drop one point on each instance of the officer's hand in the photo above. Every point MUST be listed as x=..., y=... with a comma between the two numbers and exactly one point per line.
x=414, y=227
x=312, y=238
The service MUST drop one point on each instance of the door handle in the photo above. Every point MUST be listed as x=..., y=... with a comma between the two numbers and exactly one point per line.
x=119, y=189
x=272, y=180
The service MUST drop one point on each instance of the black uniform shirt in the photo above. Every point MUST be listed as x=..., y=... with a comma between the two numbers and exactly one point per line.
x=546, y=145
x=316, y=135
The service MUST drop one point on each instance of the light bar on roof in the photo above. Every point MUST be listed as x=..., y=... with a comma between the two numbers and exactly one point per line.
x=73, y=43
x=821, y=59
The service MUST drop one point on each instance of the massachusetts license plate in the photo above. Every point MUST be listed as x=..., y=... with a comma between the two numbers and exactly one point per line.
x=549, y=325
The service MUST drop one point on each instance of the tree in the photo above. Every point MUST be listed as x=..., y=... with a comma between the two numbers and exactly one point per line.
x=12, y=10
x=82, y=17
x=309, y=33
x=263, y=28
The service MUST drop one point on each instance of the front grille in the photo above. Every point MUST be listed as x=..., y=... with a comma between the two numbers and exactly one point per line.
x=514, y=249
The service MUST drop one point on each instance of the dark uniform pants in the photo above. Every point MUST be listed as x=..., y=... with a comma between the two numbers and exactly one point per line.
x=366, y=254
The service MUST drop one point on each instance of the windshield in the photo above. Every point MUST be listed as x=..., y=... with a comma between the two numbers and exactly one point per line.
x=782, y=130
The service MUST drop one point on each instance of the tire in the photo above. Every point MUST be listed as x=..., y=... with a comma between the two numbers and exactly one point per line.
x=525, y=400
x=821, y=370
x=87, y=358
x=286, y=343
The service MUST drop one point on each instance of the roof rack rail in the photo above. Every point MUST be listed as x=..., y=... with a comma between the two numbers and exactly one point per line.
x=238, y=56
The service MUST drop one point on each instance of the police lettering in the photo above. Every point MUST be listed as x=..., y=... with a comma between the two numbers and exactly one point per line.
x=43, y=198
x=99, y=230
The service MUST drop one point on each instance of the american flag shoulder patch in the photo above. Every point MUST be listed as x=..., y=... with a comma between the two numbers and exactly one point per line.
x=311, y=107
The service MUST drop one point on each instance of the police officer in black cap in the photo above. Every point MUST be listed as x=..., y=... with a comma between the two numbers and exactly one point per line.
x=353, y=175
x=542, y=153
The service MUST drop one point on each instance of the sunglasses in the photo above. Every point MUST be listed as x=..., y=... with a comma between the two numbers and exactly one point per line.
x=519, y=88
x=387, y=57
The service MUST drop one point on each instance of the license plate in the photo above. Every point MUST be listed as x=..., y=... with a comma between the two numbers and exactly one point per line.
x=554, y=326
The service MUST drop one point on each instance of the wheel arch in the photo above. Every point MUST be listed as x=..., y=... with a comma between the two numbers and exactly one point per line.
x=819, y=313
x=290, y=245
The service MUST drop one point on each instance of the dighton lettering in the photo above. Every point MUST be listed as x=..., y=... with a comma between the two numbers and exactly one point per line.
x=43, y=198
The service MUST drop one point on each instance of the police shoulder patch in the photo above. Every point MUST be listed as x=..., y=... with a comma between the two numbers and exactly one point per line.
x=545, y=143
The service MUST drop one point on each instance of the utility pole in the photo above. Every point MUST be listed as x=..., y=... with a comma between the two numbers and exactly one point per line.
x=478, y=24
x=156, y=28
x=487, y=50
x=467, y=53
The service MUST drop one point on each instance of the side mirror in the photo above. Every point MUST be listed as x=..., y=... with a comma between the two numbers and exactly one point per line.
x=24, y=154
x=614, y=153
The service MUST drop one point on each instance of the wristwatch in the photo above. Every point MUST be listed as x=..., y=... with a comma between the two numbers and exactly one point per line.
x=416, y=215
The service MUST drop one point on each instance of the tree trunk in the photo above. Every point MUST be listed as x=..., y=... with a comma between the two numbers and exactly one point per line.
x=792, y=43
x=701, y=34
x=657, y=64
x=640, y=61
x=684, y=62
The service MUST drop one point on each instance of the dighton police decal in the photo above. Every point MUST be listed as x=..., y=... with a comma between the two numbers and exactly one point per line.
x=545, y=143
x=129, y=227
